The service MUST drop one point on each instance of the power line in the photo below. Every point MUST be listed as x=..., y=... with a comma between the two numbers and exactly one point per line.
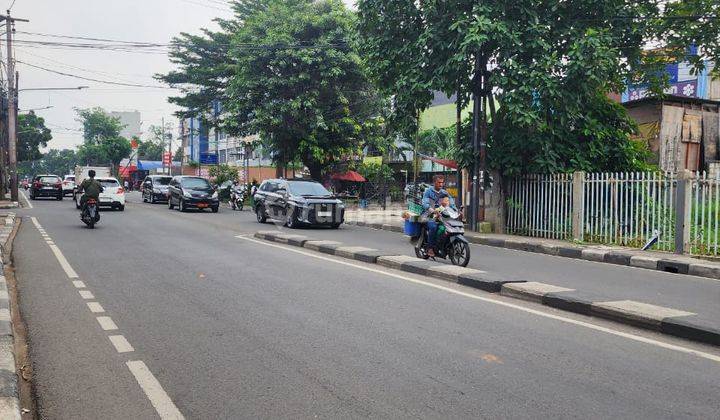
x=91, y=79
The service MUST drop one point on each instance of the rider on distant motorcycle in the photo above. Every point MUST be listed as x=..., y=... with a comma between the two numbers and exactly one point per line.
x=92, y=189
x=430, y=202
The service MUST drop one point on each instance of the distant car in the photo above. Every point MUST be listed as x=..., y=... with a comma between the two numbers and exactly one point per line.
x=297, y=202
x=155, y=188
x=68, y=185
x=46, y=186
x=188, y=192
x=113, y=194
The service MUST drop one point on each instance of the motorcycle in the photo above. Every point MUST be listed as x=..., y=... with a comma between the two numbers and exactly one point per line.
x=450, y=243
x=237, y=198
x=90, y=214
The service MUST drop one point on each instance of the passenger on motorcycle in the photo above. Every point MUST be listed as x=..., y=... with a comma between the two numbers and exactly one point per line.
x=431, y=202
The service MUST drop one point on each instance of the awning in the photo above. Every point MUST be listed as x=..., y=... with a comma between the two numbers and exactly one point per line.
x=350, y=176
x=126, y=171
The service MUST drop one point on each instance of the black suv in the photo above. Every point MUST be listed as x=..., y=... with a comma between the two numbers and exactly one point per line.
x=187, y=192
x=298, y=202
x=46, y=186
x=155, y=188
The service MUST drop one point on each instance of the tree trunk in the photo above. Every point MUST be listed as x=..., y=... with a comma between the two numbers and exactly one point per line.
x=315, y=171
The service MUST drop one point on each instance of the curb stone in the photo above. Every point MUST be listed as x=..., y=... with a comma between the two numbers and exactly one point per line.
x=579, y=252
x=9, y=398
x=657, y=318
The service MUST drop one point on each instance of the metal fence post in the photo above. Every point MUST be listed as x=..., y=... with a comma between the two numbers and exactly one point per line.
x=683, y=200
x=578, y=205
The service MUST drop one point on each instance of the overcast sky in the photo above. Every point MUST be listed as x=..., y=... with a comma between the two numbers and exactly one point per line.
x=130, y=20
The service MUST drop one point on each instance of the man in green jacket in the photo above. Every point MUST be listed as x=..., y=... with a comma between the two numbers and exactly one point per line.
x=91, y=187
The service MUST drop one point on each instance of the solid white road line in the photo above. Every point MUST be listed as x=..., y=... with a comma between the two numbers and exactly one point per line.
x=121, y=344
x=607, y=330
x=164, y=406
x=95, y=307
x=106, y=323
x=79, y=284
x=86, y=294
x=63, y=262
x=29, y=204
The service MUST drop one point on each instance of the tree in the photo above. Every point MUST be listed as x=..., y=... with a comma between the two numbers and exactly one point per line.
x=302, y=88
x=32, y=135
x=156, y=144
x=55, y=161
x=543, y=65
x=102, y=141
x=179, y=154
x=204, y=64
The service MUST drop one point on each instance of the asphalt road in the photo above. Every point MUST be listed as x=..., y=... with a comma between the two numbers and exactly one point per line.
x=231, y=327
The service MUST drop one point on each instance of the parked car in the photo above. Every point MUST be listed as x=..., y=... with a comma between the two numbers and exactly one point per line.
x=188, y=192
x=297, y=202
x=46, y=186
x=113, y=194
x=68, y=185
x=155, y=188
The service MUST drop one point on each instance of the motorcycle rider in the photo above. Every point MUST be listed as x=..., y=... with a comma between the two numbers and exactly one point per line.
x=431, y=202
x=92, y=189
x=235, y=192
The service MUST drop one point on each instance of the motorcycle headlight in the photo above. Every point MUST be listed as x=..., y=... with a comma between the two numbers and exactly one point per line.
x=215, y=195
x=187, y=194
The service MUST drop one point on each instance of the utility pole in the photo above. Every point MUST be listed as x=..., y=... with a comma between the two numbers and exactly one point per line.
x=12, y=107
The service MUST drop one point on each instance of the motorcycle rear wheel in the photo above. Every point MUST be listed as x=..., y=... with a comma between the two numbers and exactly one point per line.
x=459, y=253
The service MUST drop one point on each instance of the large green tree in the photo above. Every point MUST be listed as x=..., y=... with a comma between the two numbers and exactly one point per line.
x=102, y=143
x=300, y=84
x=32, y=135
x=549, y=65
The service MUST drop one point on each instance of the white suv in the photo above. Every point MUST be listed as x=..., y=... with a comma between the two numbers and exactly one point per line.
x=68, y=185
x=113, y=194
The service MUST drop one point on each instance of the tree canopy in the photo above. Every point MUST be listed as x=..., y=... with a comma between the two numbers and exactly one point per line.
x=32, y=135
x=542, y=64
x=102, y=143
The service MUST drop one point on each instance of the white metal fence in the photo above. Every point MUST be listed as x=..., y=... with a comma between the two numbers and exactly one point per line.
x=629, y=208
x=540, y=206
x=705, y=215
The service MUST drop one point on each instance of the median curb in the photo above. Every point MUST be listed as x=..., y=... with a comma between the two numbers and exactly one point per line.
x=630, y=258
x=9, y=397
x=656, y=318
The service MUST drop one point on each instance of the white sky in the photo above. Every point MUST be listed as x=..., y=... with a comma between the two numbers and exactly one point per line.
x=130, y=20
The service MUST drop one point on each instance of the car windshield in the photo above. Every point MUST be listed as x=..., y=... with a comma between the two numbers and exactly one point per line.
x=307, y=188
x=49, y=179
x=195, y=183
x=111, y=183
x=162, y=181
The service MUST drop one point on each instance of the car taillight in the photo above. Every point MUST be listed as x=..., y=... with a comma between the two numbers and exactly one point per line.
x=120, y=190
x=58, y=184
x=37, y=184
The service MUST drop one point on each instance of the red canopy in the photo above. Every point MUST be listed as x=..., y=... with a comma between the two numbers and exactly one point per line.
x=351, y=176
x=444, y=162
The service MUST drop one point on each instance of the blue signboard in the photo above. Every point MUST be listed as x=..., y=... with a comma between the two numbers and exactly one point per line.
x=208, y=158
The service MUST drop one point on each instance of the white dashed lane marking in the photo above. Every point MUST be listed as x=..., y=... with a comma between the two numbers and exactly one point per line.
x=159, y=399
x=95, y=307
x=164, y=406
x=106, y=323
x=121, y=344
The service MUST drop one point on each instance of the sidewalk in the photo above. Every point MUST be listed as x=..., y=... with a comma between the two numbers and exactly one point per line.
x=653, y=260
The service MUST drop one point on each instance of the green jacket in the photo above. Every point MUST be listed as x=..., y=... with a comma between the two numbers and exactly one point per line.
x=92, y=188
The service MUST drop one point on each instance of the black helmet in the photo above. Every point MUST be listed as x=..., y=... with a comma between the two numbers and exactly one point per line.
x=91, y=173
